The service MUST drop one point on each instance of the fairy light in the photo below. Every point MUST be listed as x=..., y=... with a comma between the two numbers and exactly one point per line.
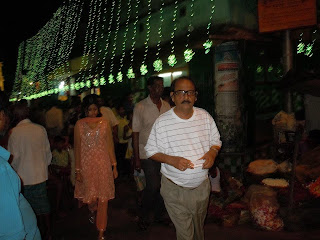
x=108, y=39
x=143, y=67
x=114, y=47
x=172, y=60
x=87, y=40
x=157, y=64
x=130, y=73
x=189, y=53
x=120, y=75
x=208, y=43
x=95, y=33
x=45, y=53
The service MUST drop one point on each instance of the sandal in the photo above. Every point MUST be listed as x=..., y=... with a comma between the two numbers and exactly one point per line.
x=92, y=217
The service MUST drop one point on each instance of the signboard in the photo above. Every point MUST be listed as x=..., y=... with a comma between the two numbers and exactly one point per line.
x=275, y=15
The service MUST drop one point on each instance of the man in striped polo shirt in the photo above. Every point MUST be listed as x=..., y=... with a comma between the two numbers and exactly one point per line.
x=186, y=141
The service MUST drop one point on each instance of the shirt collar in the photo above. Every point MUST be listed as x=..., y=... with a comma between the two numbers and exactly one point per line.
x=27, y=120
x=150, y=101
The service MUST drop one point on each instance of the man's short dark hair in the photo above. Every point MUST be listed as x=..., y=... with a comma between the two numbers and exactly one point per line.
x=152, y=79
x=173, y=84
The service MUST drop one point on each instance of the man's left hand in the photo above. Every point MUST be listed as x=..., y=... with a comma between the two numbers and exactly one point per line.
x=209, y=158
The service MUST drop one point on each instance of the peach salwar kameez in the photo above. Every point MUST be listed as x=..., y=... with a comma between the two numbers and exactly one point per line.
x=93, y=146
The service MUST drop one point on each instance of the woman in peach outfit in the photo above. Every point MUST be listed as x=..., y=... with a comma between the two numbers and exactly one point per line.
x=95, y=162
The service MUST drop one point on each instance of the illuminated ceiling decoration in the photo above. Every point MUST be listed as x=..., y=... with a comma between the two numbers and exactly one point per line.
x=114, y=47
x=157, y=64
x=125, y=38
x=208, y=43
x=105, y=40
x=172, y=60
x=189, y=53
x=144, y=68
x=130, y=73
x=42, y=58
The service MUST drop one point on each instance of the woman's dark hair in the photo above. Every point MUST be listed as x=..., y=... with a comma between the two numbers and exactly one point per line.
x=87, y=101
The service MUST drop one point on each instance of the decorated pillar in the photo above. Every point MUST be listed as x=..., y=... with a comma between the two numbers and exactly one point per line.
x=228, y=106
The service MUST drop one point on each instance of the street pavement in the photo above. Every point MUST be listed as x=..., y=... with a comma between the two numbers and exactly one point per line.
x=122, y=224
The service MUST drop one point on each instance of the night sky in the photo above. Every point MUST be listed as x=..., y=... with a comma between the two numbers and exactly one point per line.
x=20, y=20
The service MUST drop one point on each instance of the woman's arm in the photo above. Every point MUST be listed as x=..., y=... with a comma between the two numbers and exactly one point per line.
x=110, y=149
x=77, y=149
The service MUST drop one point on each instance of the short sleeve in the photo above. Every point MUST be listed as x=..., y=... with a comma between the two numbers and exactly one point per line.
x=214, y=134
x=136, y=119
x=155, y=142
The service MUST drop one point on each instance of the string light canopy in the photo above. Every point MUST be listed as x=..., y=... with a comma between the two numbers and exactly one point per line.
x=42, y=58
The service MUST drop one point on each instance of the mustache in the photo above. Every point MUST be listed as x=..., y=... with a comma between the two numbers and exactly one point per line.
x=185, y=101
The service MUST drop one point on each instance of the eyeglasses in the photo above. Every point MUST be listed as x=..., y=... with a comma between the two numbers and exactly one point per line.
x=185, y=92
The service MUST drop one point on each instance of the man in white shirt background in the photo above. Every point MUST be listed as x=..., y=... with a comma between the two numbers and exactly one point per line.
x=186, y=141
x=144, y=115
x=29, y=145
x=108, y=114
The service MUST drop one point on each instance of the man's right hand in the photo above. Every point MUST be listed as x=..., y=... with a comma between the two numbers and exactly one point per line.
x=181, y=163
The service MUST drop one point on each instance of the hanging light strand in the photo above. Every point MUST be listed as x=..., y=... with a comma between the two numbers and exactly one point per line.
x=130, y=73
x=108, y=40
x=114, y=47
x=172, y=60
x=143, y=68
x=189, y=53
x=208, y=43
x=157, y=64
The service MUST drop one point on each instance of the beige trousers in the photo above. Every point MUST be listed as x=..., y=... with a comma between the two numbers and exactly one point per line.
x=186, y=207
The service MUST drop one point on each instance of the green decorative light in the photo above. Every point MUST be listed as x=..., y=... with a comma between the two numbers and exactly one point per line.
x=56, y=90
x=72, y=86
x=158, y=66
x=130, y=73
x=270, y=68
x=82, y=84
x=188, y=55
x=207, y=46
x=88, y=84
x=96, y=82
x=111, y=79
x=172, y=60
x=143, y=69
x=77, y=86
x=300, y=48
x=103, y=81
x=259, y=69
x=119, y=77
x=308, y=51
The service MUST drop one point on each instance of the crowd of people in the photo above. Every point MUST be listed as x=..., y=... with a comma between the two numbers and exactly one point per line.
x=82, y=148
